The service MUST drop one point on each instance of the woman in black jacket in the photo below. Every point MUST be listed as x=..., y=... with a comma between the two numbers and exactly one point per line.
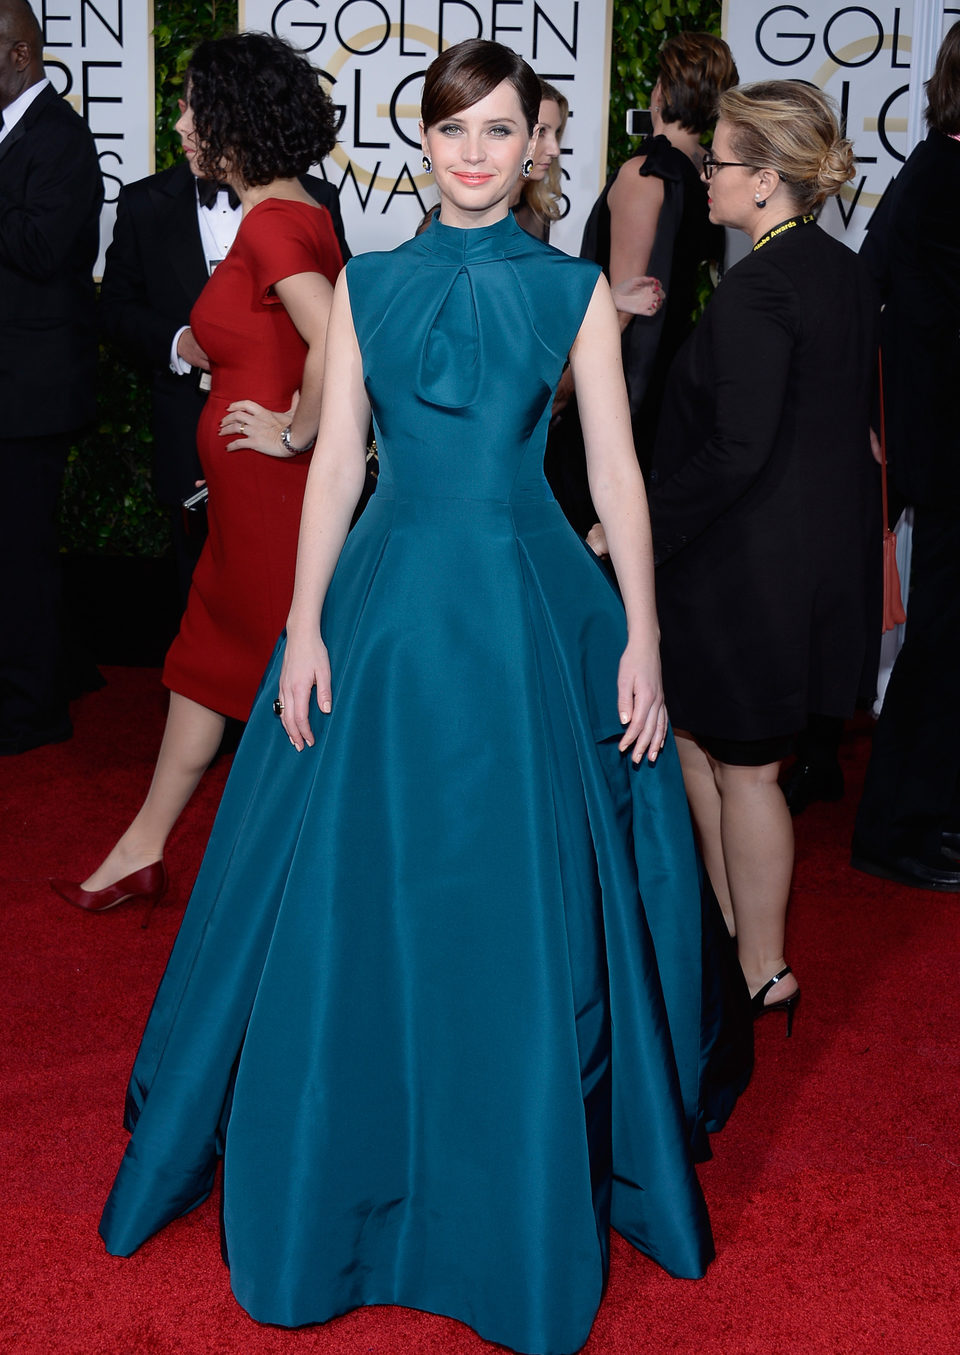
x=766, y=525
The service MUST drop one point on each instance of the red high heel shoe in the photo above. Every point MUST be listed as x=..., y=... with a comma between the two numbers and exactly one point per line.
x=148, y=884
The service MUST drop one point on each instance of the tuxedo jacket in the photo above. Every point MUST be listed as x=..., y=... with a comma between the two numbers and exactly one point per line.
x=50, y=197
x=155, y=270
x=912, y=248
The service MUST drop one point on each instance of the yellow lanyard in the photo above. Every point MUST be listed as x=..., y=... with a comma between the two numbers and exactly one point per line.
x=806, y=220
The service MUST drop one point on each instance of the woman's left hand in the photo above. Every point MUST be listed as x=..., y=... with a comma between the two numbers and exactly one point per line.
x=596, y=539
x=639, y=296
x=641, y=705
x=255, y=428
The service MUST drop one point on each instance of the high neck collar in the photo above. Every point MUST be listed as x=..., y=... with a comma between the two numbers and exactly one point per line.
x=474, y=244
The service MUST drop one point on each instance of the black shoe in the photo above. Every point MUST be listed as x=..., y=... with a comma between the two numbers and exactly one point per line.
x=925, y=870
x=950, y=845
x=786, y=1004
x=38, y=738
x=806, y=782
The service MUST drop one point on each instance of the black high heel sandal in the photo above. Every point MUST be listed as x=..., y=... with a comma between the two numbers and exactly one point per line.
x=787, y=1004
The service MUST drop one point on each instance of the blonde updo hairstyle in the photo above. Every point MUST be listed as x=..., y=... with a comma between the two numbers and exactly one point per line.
x=792, y=128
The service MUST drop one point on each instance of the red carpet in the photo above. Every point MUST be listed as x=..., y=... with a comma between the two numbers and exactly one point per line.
x=834, y=1191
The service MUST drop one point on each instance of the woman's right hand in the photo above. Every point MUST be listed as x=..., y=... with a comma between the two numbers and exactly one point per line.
x=638, y=296
x=306, y=665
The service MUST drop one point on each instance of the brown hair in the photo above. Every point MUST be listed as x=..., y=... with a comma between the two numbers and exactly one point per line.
x=943, y=87
x=543, y=196
x=694, y=70
x=791, y=127
x=468, y=72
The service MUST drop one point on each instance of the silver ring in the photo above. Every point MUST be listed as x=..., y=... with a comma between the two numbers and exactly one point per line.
x=277, y=706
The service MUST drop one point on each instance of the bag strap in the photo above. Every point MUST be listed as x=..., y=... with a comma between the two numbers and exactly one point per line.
x=883, y=446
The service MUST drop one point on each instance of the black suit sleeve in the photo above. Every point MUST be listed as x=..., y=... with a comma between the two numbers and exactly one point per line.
x=753, y=327
x=127, y=316
x=64, y=188
x=325, y=193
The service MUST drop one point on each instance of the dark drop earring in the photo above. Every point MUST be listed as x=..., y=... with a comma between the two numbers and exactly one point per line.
x=427, y=164
x=761, y=202
x=526, y=168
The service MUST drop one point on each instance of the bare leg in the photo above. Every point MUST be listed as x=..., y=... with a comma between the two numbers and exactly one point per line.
x=190, y=741
x=703, y=795
x=757, y=835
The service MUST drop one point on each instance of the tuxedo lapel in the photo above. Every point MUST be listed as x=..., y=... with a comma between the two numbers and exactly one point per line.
x=29, y=117
x=11, y=139
x=177, y=218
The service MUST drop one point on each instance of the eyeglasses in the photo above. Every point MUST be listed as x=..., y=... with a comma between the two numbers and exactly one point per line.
x=710, y=165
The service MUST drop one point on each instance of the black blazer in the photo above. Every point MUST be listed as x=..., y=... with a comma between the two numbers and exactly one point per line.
x=50, y=197
x=766, y=524
x=912, y=249
x=154, y=272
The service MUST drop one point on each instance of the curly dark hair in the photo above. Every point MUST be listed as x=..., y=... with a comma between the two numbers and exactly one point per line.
x=258, y=106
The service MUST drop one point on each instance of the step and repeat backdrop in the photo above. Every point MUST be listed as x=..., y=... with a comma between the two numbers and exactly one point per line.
x=872, y=59
x=373, y=55
x=99, y=55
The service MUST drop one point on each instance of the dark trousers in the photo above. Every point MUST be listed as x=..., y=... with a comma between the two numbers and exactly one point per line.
x=913, y=778
x=188, y=532
x=33, y=702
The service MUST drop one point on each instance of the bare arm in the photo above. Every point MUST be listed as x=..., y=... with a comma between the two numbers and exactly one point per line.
x=334, y=484
x=634, y=201
x=617, y=489
x=307, y=299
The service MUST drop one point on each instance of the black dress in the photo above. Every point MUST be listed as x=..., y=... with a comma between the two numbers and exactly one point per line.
x=764, y=496
x=684, y=238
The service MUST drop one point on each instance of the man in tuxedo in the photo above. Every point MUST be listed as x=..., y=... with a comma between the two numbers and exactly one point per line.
x=172, y=229
x=50, y=197
x=908, y=822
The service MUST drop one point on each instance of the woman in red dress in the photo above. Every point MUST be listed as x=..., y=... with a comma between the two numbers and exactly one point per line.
x=256, y=117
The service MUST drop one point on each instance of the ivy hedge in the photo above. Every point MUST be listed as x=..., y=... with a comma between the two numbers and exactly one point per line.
x=108, y=505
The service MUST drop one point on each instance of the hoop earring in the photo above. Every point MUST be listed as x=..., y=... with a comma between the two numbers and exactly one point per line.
x=427, y=164
x=761, y=202
x=526, y=168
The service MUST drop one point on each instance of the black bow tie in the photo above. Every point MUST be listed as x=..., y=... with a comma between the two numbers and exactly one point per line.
x=207, y=190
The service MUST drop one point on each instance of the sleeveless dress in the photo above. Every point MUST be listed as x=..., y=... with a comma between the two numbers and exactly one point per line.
x=683, y=239
x=448, y=995
x=242, y=585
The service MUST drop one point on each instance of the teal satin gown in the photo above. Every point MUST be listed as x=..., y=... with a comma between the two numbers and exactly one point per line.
x=439, y=995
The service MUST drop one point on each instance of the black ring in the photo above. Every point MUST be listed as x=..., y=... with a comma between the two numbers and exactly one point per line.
x=277, y=706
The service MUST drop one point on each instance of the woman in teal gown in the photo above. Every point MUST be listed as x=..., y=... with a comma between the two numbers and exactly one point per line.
x=448, y=996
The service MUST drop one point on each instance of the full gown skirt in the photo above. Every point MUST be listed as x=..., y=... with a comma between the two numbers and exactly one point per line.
x=449, y=996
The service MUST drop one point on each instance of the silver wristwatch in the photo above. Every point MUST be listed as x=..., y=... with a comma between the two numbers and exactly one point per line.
x=288, y=445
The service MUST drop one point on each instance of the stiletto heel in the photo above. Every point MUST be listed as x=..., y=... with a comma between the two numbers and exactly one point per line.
x=149, y=884
x=787, y=1004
